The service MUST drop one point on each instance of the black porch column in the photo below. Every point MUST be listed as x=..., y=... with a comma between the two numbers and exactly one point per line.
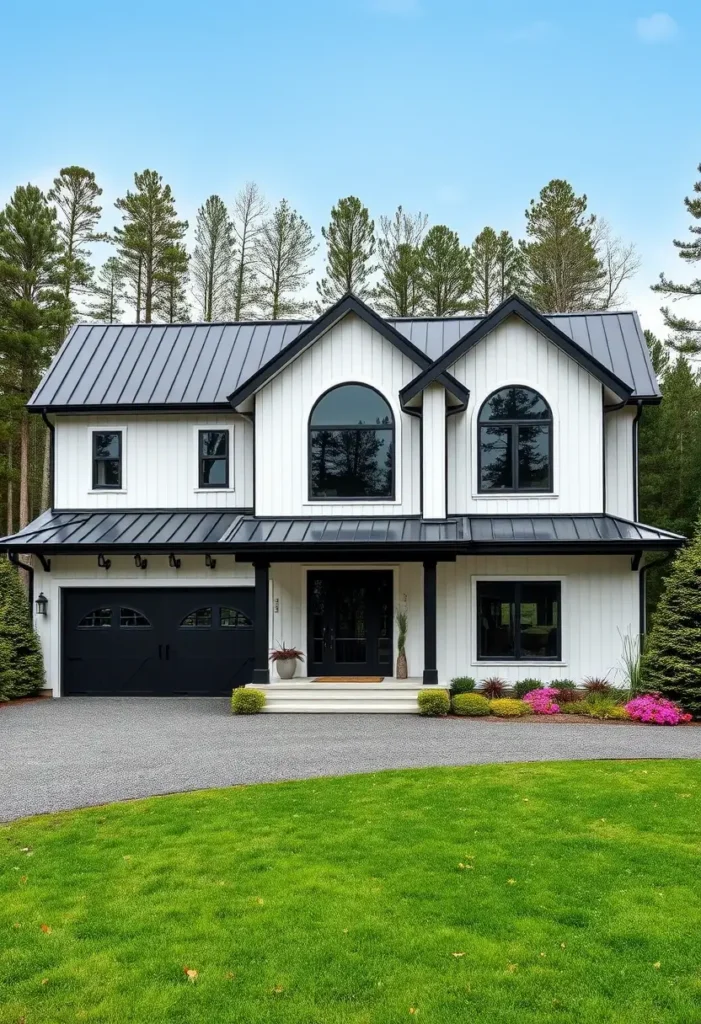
x=261, y=671
x=430, y=669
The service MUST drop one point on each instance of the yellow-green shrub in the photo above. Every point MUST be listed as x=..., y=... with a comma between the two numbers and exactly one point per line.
x=247, y=702
x=470, y=704
x=433, y=703
x=509, y=707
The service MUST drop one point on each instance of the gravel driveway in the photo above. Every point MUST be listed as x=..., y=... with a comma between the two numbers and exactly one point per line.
x=78, y=751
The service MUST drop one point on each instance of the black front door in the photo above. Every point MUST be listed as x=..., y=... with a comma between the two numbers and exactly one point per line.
x=349, y=616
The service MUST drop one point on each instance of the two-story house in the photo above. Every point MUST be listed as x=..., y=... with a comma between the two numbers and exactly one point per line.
x=220, y=488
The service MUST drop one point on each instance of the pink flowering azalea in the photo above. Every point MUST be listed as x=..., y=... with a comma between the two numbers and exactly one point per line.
x=650, y=707
x=542, y=702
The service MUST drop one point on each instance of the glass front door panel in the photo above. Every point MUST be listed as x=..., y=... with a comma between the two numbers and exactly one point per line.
x=350, y=620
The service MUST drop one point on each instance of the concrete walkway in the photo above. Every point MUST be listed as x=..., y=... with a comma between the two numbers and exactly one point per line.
x=80, y=751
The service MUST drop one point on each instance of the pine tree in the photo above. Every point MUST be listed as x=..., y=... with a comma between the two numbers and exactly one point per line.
x=446, y=273
x=350, y=245
x=283, y=250
x=399, y=290
x=688, y=331
x=74, y=193
x=213, y=260
x=170, y=295
x=108, y=293
x=33, y=308
x=671, y=662
x=150, y=233
x=510, y=267
x=486, y=286
x=249, y=210
x=21, y=665
x=563, y=269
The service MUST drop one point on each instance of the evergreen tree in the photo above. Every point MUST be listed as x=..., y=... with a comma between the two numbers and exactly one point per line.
x=75, y=193
x=688, y=331
x=170, y=296
x=150, y=234
x=283, y=250
x=486, y=286
x=108, y=293
x=249, y=210
x=21, y=666
x=446, y=273
x=399, y=290
x=562, y=266
x=671, y=662
x=350, y=245
x=213, y=259
x=510, y=267
x=33, y=308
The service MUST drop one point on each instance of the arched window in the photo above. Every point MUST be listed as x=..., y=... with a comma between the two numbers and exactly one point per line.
x=232, y=618
x=98, y=618
x=129, y=618
x=351, y=445
x=199, y=618
x=515, y=448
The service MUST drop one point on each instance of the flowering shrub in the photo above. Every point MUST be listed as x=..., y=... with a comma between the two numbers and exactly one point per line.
x=542, y=701
x=509, y=707
x=650, y=707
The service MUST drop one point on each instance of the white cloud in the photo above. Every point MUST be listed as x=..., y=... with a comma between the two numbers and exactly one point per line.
x=535, y=32
x=658, y=28
x=401, y=7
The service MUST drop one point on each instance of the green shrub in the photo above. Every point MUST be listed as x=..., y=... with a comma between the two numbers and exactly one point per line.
x=493, y=687
x=247, y=702
x=462, y=684
x=470, y=704
x=601, y=706
x=577, y=707
x=433, y=703
x=21, y=664
x=618, y=713
x=509, y=707
x=526, y=686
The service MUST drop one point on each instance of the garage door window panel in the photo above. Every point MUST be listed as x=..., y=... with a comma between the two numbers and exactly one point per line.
x=232, y=618
x=200, y=618
x=98, y=618
x=129, y=618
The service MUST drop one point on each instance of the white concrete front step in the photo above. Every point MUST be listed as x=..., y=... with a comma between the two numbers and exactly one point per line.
x=304, y=696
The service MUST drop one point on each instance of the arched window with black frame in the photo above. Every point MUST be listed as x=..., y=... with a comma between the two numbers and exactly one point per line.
x=515, y=443
x=351, y=445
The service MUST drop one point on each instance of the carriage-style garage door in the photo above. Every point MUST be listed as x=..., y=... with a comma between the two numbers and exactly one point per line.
x=158, y=642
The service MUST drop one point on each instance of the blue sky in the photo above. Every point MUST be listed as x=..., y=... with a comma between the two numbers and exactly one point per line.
x=463, y=110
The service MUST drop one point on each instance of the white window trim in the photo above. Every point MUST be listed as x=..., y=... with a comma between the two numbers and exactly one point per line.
x=526, y=382
x=230, y=428
x=105, y=428
x=510, y=663
x=329, y=384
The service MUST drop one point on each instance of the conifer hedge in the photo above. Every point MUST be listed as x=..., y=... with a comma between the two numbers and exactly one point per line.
x=21, y=664
x=671, y=663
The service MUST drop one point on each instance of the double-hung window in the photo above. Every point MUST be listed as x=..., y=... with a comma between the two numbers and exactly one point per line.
x=107, y=460
x=213, y=455
x=519, y=621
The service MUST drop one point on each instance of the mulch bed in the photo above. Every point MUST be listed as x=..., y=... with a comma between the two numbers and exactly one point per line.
x=24, y=700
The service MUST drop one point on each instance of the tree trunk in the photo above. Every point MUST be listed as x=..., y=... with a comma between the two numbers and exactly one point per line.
x=46, y=473
x=24, y=470
x=10, y=493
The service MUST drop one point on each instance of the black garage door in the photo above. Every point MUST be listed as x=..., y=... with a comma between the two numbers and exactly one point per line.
x=157, y=642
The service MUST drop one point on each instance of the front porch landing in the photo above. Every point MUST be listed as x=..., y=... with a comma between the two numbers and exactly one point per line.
x=304, y=696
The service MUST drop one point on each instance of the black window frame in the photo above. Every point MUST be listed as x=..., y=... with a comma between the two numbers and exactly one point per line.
x=516, y=601
x=391, y=427
x=201, y=458
x=514, y=424
x=97, y=459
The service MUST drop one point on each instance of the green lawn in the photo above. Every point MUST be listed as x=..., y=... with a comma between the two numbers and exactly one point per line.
x=513, y=893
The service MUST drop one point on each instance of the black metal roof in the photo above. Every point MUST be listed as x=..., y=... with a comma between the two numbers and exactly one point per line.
x=176, y=366
x=245, y=534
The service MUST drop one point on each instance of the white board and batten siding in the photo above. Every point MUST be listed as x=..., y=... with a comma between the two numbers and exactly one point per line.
x=619, y=450
x=159, y=463
x=514, y=353
x=351, y=351
x=434, y=452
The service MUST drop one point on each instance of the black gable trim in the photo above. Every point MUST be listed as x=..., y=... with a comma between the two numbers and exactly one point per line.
x=348, y=304
x=519, y=307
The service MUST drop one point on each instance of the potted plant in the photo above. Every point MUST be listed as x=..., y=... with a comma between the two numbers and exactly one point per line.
x=285, y=659
x=401, y=644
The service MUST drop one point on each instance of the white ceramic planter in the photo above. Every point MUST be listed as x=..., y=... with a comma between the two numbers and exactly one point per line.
x=286, y=667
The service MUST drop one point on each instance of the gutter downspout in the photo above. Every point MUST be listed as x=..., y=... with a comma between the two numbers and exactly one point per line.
x=29, y=569
x=52, y=459
x=642, y=582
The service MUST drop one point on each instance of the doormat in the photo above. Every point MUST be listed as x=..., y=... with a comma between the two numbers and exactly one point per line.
x=349, y=679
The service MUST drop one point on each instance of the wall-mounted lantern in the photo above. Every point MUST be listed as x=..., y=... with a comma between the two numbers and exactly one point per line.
x=42, y=603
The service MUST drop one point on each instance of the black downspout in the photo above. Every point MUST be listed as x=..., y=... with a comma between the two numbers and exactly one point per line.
x=430, y=676
x=29, y=569
x=52, y=459
x=642, y=581
x=636, y=432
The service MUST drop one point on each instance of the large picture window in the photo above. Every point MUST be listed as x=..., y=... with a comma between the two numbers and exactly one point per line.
x=106, y=460
x=518, y=621
x=351, y=445
x=515, y=442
